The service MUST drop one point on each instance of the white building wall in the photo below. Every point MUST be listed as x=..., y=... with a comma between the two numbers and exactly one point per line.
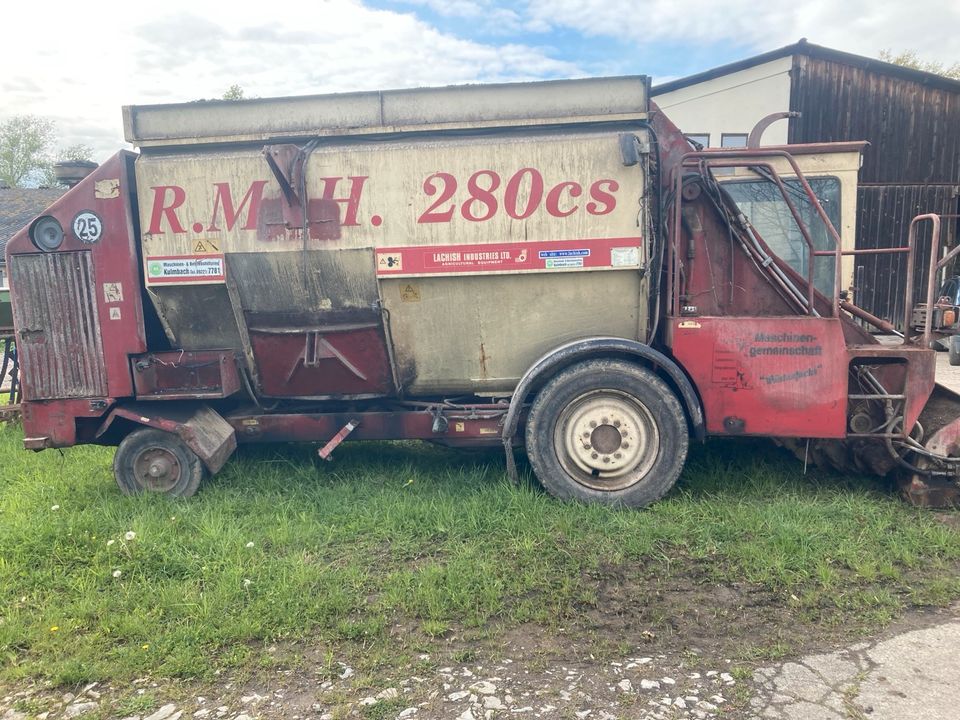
x=733, y=103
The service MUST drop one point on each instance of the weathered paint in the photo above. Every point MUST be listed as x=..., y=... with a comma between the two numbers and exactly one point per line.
x=560, y=102
x=785, y=377
x=555, y=206
x=106, y=301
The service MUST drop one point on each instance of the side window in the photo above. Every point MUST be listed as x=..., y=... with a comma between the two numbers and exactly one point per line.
x=765, y=208
x=702, y=139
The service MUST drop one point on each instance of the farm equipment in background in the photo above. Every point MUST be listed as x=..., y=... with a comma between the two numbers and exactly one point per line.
x=945, y=318
x=9, y=367
x=549, y=265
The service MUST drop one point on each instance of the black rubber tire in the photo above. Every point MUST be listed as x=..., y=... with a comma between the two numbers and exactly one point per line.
x=187, y=470
x=953, y=350
x=554, y=411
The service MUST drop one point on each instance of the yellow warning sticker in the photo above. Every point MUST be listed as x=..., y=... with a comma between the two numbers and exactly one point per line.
x=409, y=293
x=206, y=246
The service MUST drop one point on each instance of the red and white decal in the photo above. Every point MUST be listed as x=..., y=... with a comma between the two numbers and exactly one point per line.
x=182, y=269
x=541, y=256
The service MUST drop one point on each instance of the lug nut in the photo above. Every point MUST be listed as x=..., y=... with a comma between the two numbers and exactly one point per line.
x=617, y=456
x=616, y=423
x=605, y=421
x=593, y=423
x=594, y=456
x=587, y=446
x=624, y=445
x=606, y=458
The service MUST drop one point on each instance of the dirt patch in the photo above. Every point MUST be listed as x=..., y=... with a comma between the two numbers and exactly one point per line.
x=657, y=650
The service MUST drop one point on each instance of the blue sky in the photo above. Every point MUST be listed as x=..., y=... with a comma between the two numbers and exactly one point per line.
x=595, y=53
x=96, y=57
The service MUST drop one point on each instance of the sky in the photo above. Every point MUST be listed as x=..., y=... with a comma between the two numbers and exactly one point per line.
x=78, y=63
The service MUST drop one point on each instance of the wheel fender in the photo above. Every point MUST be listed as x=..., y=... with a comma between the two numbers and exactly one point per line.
x=565, y=355
x=201, y=428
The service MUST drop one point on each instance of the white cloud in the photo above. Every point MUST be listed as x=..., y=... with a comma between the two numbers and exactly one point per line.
x=79, y=62
x=858, y=26
x=96, y=57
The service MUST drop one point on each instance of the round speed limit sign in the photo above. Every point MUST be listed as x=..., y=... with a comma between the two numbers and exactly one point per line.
x=87, y=226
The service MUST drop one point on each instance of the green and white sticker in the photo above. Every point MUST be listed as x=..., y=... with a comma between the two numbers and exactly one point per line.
x=182, y=269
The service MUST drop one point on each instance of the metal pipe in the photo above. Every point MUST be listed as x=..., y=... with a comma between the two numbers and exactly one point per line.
x=870, y=318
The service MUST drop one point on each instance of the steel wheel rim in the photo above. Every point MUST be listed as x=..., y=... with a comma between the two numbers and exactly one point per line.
x=157, y=469
x=606, y=440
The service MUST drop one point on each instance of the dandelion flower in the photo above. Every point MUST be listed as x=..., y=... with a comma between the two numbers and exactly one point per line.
x=54, y=628
x=129, y=535
x=110, y=542
x=247, y=582
x=250, y=544
x=54, y=507
x=117, y=573
x=146, y=646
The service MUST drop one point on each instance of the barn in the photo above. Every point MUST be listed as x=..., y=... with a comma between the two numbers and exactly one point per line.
x=910, y=118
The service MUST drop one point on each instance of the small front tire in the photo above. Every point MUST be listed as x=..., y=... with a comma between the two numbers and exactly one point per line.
x=150, y=460
x=607, y=431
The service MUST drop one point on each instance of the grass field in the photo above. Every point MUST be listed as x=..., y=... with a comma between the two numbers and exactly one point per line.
x=398, y=548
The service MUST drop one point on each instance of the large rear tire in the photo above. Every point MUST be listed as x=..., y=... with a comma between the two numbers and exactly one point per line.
x=609, y=432
x=150, y=460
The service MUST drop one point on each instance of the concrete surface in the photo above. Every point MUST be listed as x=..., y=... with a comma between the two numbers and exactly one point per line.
x=911, y=676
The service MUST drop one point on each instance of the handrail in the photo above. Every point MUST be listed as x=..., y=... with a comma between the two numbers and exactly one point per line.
x=933, y=268
x=748, y=158
x=742, y=158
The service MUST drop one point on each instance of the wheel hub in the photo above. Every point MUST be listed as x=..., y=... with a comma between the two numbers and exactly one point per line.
x=608, y=438
x=157, y=469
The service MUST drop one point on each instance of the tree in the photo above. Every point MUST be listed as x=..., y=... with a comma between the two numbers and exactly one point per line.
x=27, y=151
x=909, y=58
x=234, y=92
x=46, y=176
x=25, y=142
x=75, y=153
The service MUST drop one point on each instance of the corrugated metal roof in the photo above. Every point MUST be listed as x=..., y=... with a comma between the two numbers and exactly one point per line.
x=18, y=206
x=817, y=51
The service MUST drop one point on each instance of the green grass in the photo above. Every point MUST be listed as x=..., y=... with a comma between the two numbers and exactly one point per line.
x=420, y=537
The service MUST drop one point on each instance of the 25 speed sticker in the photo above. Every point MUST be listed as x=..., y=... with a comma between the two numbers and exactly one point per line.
x=87, y=226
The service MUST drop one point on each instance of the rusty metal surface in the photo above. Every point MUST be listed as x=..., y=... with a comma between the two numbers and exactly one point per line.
x=475, y=427
x=58, y=332
x=514, y=191
x=202, y=429
x=179, y=375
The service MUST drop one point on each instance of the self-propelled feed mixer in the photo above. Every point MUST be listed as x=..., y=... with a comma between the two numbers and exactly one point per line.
x=549, y=265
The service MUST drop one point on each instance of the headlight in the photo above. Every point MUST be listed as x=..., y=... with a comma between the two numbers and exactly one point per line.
x=46, y=233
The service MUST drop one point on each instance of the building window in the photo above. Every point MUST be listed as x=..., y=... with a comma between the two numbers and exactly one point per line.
x=702, y=139
x=733, y=140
